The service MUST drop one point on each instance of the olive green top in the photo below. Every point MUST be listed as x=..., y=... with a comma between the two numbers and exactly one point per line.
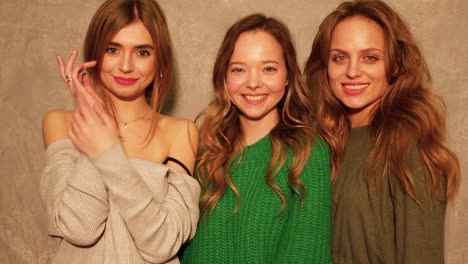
x=394, y=229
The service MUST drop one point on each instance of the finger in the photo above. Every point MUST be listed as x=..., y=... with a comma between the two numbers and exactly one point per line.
x=61, y=66
x=78, y=116
x=77, y=83
x=73, y=133
x=83, y=96
x=71, y=61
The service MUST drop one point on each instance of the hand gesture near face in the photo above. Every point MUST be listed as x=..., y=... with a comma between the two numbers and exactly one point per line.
x=92, y=130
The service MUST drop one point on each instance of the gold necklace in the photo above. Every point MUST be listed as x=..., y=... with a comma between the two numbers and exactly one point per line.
x=128, y=122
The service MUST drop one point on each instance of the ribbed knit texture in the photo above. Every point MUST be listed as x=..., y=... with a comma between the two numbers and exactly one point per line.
x=256, y=234
x=393, y=229
x=111, y=209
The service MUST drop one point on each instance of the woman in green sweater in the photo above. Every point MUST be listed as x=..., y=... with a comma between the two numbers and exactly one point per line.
x=392, y=171
x=265, y=177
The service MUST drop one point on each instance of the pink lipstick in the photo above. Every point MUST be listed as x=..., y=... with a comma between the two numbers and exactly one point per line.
x=354, y=88
x=125, y=81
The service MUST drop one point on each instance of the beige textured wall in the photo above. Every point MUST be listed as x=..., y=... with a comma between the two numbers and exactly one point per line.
x=33, y=31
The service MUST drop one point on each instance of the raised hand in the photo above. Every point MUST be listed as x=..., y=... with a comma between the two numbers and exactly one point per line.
x=93, y=130
x=66, y=70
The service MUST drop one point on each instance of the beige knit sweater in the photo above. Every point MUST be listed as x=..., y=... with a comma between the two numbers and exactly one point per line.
x=112, y=209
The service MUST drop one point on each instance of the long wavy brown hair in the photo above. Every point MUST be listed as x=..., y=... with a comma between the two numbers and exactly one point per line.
x=410, y=111
x=112, y=16
x=221, y=141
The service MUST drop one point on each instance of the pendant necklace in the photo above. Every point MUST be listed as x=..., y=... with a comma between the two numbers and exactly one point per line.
x=128, y=122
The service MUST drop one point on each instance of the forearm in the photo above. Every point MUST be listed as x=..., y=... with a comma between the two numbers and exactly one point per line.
x=160, y=220
x=74, y=196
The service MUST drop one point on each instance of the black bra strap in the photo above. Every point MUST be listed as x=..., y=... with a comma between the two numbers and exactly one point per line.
x=178, y=163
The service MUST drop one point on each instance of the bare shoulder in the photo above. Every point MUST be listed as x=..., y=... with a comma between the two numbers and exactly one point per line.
x=55, y=126
x=183, y=137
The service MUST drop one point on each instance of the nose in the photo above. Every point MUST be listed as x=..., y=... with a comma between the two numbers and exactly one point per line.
x=254, y=81
x=126, y=63
x=354, y=69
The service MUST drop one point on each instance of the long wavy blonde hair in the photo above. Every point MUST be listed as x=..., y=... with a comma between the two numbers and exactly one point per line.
x=219, y=133
x=112, y=16
x=409, y=111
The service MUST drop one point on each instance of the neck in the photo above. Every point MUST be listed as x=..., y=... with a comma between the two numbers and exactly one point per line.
x=361, y=117
x=358, y=120
x=254, y=130
x=127, y=110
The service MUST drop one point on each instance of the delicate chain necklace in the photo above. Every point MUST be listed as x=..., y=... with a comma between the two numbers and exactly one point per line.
x=128, y=122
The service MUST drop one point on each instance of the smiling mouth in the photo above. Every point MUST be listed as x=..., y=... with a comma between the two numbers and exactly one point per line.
x=125, y=81
x=355, y=86
x=255, y=98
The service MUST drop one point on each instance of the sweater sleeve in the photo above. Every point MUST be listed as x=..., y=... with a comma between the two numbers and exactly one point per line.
x=160, y=220
x=307, y=237
x=419, y=229
x=74, y=195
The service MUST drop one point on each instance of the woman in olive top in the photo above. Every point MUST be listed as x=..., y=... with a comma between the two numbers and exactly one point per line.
x=265, y=178
x=392, y=171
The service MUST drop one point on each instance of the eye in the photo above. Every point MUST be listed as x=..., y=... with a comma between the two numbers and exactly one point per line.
x=338, y=58
x=370, y=58
x=270, y=69
x=143, y=53
x=236, y=69
x=112, y=50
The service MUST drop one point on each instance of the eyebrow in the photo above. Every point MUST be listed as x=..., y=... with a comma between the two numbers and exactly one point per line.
x=264, y=62
x=364, y=50
x=143, y=46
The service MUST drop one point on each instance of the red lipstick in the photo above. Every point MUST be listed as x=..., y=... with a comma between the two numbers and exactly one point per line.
x=125, y=81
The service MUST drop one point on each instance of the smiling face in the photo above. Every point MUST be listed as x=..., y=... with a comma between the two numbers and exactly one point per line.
x=128, y=66
x=257, y=76
x=356, y=67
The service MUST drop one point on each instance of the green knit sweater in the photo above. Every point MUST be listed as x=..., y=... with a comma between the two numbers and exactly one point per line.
x=256, y=234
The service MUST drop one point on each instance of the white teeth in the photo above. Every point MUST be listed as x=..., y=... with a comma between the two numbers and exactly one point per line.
x=254, y=97
x=355, y=87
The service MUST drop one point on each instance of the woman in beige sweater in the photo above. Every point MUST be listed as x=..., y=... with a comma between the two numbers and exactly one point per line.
x=108, y=196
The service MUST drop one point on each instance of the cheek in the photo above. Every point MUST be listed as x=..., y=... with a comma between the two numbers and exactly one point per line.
x=276, y=85
x=378, y=74
x=333, y=73
x=379, y=77
x=106, y=65
x=233, y=84
x=147, y=68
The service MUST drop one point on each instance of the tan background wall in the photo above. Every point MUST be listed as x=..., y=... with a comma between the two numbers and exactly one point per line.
x=33, y=31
